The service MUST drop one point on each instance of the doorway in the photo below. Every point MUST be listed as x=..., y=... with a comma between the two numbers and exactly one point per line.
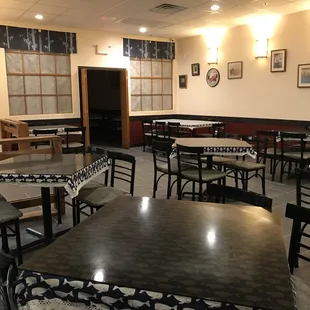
x=104, y=106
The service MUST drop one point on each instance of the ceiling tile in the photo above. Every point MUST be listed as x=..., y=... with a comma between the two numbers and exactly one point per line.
x=47, y=9
x=29, y=16
x=12, y=4
x=10, y=14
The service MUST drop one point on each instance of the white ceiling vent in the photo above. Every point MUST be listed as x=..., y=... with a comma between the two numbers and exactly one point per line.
x=167, y=8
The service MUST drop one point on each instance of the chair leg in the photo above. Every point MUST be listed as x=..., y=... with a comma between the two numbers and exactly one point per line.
x=282, y=171
x=179, y=187
x=264, y=182
x=78, y=212
x=18, y=243
x=236, y=179
x=59, y=219
x=168, y=187
x=155, y=184
x=200, y=192
x=4, y=237
x=193, y=191
x=74, y=212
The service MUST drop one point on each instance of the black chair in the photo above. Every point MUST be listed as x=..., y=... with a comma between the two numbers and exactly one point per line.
x=8, y=277
x=273, y=151
x=197, y=173
x=148, y=133
x=300, y=216
x=161, y=131
x=174, y=131
x=76, y=146
x=227, y=192
x=43, y=132
x=298, y=156
x=164, y=165
x=9, y=218
x=242, y=169
x=214, y=131
x=123, y=167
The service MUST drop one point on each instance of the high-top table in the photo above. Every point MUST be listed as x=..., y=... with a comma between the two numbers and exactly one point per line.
x=143, y=253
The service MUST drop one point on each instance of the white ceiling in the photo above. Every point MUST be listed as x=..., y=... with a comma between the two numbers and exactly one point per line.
x=131, y=14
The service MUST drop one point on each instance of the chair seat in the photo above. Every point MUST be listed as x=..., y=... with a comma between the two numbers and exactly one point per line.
x=245, y=165
x=99, y=196
x=8, y=212
x=92, y=185
x=208, y=175
x=297, y=155
x=73, y=145
x=173, y=167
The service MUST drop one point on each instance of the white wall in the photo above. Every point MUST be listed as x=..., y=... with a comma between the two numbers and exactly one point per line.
x=86, y=40
x=260, y=93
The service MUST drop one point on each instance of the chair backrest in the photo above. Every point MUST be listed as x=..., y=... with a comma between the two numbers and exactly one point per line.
x=38, y=132
x=160, y=129
x=260, y=145
x=73, y=130
x=8, y=276
x=229, y=135
x=218, y=129
x=272, y=136
x=121, y=171
x=174, y=130
x=300, y=217
x=190, y=156
x=147, y=127
x=302, y=187
x=161, y=153
x=297, y=138
x=221, y=192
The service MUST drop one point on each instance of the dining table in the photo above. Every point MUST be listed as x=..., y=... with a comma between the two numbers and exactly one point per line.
x=189, y=124
x=49, y=171
x=59, y=127
x=144, y=253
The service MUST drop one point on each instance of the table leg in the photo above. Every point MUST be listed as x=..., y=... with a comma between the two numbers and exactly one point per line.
x=47, y=214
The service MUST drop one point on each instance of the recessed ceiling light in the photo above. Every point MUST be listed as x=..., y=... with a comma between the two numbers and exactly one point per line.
x=108, y=18
x=215, y=7
x=142, y=29
x=39, y=16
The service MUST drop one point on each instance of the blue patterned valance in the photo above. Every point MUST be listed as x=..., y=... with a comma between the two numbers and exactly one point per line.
x=28, y=39
x=148, y=49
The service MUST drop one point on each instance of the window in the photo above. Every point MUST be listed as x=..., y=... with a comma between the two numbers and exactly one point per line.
x=151, y=84
x=38, y=83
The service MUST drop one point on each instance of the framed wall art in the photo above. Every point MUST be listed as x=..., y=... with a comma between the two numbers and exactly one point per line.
x=278, y=61
x=183, y=81
x=303, y=76
x=195, y=69
x=234, y=70
x=213, y=77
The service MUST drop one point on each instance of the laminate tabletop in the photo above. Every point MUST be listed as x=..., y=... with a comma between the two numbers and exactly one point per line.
x=226, y=253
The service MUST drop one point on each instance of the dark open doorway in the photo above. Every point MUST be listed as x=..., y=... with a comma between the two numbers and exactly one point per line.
x=104, y=105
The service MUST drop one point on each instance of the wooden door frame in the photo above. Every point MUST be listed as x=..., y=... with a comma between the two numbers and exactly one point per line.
x=84, y=112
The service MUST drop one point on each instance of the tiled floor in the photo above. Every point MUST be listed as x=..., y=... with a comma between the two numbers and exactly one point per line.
x=281, y=194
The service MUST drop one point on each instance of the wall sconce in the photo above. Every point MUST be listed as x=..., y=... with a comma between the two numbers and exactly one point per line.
x=213, y=55
x=261, y=48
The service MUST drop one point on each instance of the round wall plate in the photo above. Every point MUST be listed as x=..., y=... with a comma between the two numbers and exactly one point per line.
x=213, y=77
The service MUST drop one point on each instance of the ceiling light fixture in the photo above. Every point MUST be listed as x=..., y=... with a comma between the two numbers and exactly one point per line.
x=142, y=29
x=39, y=16
x=215, y=7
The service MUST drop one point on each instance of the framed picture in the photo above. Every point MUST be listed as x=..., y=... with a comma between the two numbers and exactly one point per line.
x=234, y=70
x=303, y=77
x=183, y=81
x=278, y=61
x=213, y=77
x=195, y=69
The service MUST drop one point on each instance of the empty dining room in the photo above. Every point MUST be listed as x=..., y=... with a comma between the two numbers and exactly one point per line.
x=154, y=155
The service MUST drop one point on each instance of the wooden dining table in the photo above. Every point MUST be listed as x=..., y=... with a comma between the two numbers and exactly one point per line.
x=146, y=253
